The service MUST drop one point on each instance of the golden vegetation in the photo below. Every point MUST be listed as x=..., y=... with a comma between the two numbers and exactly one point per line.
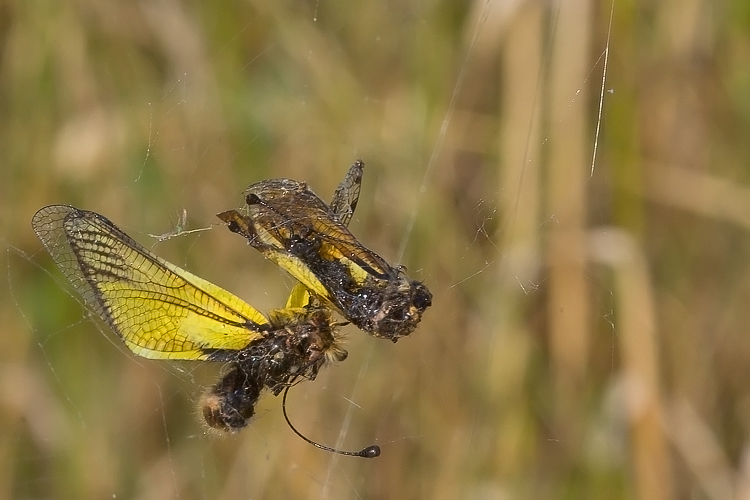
x=588, y=335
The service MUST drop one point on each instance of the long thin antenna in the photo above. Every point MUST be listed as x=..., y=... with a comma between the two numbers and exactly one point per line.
x=371, y=451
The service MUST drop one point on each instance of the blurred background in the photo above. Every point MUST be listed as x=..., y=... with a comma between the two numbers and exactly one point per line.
x=586, y=242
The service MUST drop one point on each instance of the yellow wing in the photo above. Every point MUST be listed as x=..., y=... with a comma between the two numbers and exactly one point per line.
x=283, y=211
x=273, y=250
x=292, y=208
x=159, y=310
x=299, y=297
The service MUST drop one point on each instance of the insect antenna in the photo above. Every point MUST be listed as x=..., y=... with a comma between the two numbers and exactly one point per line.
x=371, y=451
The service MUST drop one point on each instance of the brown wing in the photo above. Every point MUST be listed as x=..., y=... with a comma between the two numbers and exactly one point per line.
x=273, y=249
x=289, y=210
x=346, y=197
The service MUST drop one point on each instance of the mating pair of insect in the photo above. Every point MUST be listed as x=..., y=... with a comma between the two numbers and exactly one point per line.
x=164, y=312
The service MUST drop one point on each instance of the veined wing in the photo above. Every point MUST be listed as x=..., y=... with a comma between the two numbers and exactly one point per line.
x=346, y=196
x=294, y=228
x=286, y=212
x=342, y=206
x=159, y=310
x=338, y=244
x=299, y=297
x=291, y=226
x=274, y=250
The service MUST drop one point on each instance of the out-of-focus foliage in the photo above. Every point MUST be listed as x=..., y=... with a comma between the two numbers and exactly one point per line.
x=589, y=333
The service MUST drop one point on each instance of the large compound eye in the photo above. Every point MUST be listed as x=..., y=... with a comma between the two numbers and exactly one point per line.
x=422, y=298
x=234, y=227
x=253, y=199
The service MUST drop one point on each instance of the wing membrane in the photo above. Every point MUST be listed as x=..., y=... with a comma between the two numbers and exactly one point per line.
x=346, y=196
x=291, y=226
x=272, y=248
x=289, y=212
x=158, y=309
